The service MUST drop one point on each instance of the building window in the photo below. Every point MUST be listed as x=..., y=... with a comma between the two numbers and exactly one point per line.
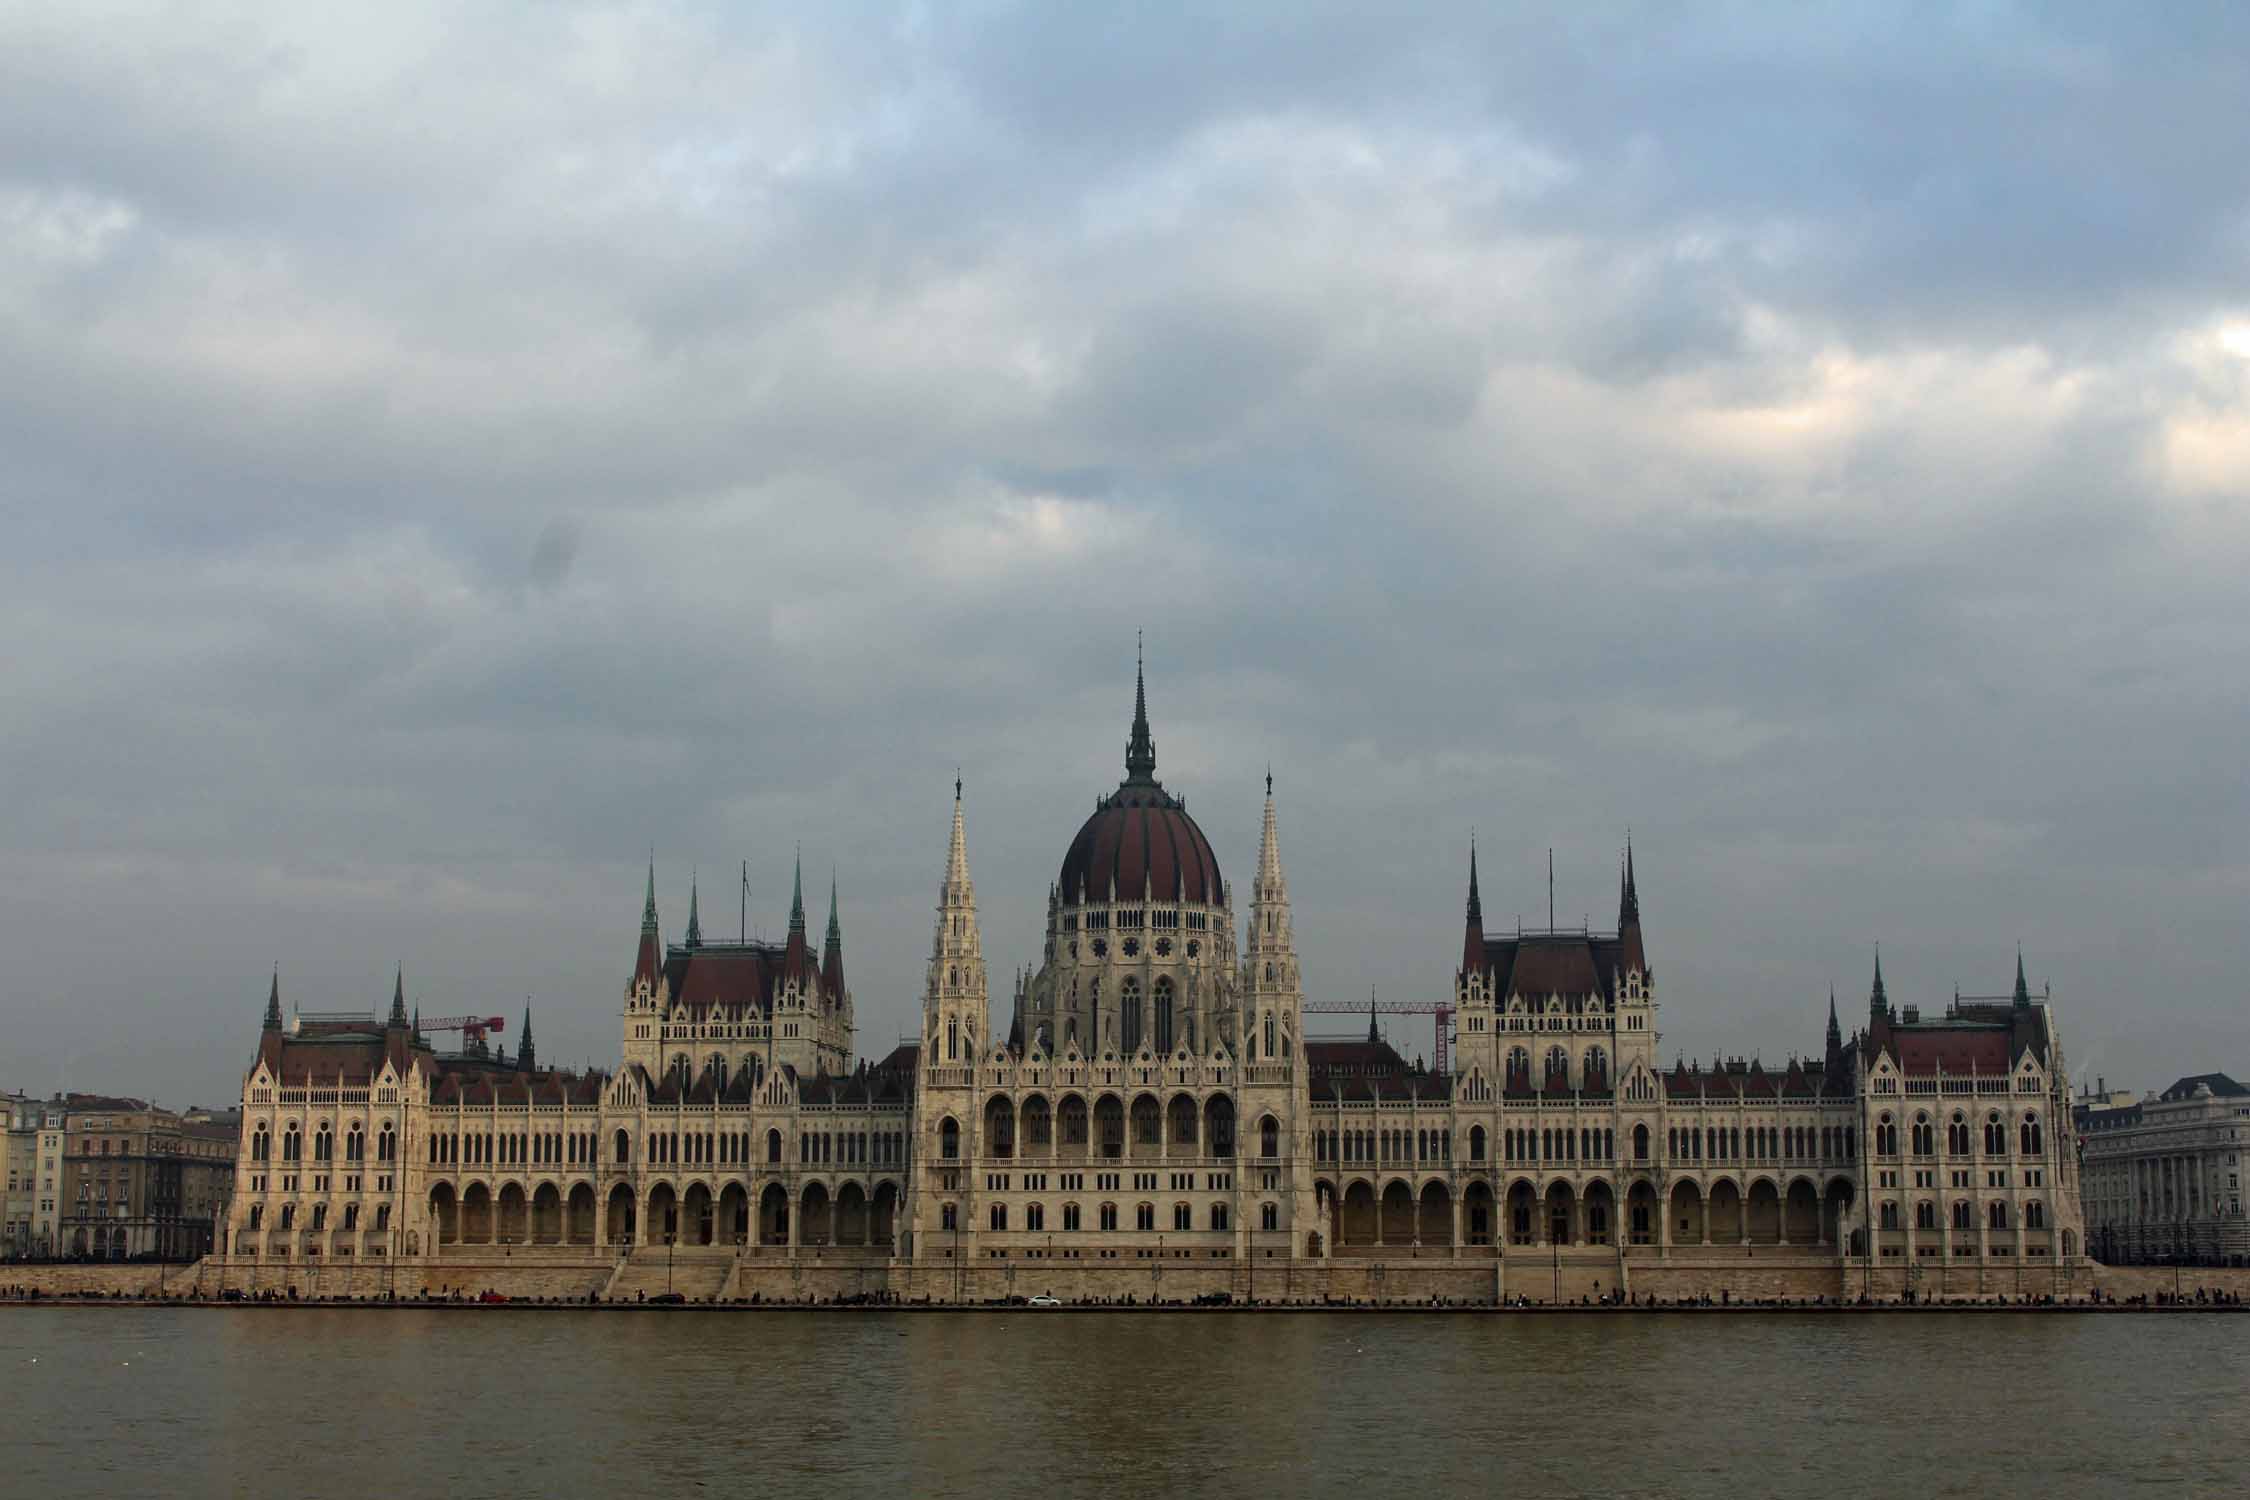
x=1108, y=1218
x=1144, y=1217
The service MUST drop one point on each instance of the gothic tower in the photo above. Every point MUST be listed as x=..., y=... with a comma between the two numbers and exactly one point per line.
x=955, y=1021
x=955, y=1031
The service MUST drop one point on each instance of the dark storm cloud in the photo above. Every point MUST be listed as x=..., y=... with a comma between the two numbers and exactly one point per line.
x=451, y=451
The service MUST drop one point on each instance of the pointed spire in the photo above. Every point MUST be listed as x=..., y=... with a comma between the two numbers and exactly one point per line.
x=1878, y=1003
x=1373, y=1036
x=648, y=958
x=1472, y=934
x=1269, y=844
x=957, y=854
x=1140, y=750
x=527, y=1059
x=398, y=998
x=1629, y=902
x=1835, y=1032
x=832, y=947
x=2023, y=991
x=797, y=897
x=417, y=1022
x=694, y=938
x=273, y=1002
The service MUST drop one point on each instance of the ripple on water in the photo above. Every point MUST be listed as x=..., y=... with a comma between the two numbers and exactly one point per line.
x=413, y=1403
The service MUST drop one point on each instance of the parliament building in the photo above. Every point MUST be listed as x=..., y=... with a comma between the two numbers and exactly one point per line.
x=1143, y=1114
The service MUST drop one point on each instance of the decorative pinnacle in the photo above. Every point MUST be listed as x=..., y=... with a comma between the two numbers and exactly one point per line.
x=648, y=907
x=273, y=1001
x=835, y=928
x=694, y=938
x=797, y=895
x=398, y=998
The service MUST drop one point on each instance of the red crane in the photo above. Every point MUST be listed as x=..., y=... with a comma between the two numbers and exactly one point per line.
x=1444, y=1014
x=472, y=1028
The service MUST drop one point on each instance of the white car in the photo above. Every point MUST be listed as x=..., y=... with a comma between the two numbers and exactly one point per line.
x=1043, y=1300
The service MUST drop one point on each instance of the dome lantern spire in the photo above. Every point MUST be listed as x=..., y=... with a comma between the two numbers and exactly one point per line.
x=1140, y=750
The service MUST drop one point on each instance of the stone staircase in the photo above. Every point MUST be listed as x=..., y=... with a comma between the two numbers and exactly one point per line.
x=697, y=1275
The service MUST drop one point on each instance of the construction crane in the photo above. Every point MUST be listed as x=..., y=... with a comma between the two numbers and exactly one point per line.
x=472, y=1028
x=1444, y=1013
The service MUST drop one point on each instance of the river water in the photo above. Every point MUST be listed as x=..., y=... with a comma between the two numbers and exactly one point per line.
x=1040, y=1403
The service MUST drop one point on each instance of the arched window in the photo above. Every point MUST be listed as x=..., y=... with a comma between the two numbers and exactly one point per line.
x=1519, y=1069
x=261, y=1145
x=1597, y=1069
x=1886, y=1137
x=999, y=1218
x=1558, y=1068
x=1164, y=1014
x=1107, y=1218
x=1640, y=1143
x=1129, y=1014
x=1269, y=1035
x=2035, y=1215
x=1957, y=1135
x=1925, y=1215
x=773, y=1146
x=1070, y=1218
x=1961, y=1217
x=292, y=1145
x=949, y=1139
x=1476, y=1143
x=624, y=1147
x=1269, y=1137
x=1997, y=1213
x=1925, y=1138
x=2031, y=1136
x=386, y=1145
x=1995, y=1135
x=1144, y=1216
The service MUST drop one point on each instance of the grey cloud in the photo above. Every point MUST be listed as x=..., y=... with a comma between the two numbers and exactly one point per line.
x=452, y=453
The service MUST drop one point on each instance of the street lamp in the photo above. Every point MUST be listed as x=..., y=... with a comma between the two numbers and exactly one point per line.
x=670, y=1237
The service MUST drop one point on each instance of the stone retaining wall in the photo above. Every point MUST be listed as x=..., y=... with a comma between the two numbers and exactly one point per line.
x=570, y=1275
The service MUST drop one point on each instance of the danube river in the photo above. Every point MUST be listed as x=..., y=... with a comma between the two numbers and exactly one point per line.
x=414, y=1403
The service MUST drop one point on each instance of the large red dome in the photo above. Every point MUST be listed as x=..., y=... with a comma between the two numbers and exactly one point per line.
x=1140, y=839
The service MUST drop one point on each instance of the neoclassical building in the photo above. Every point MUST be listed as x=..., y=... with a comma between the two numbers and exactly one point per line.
x=2163, y=1174
x=1154, y=1104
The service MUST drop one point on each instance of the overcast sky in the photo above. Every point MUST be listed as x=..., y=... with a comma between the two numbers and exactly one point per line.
x=448, y=450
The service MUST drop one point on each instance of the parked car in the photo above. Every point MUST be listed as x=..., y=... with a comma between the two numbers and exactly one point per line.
x=492, y=1296
x=668, y=1299
x=1043, y=1300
